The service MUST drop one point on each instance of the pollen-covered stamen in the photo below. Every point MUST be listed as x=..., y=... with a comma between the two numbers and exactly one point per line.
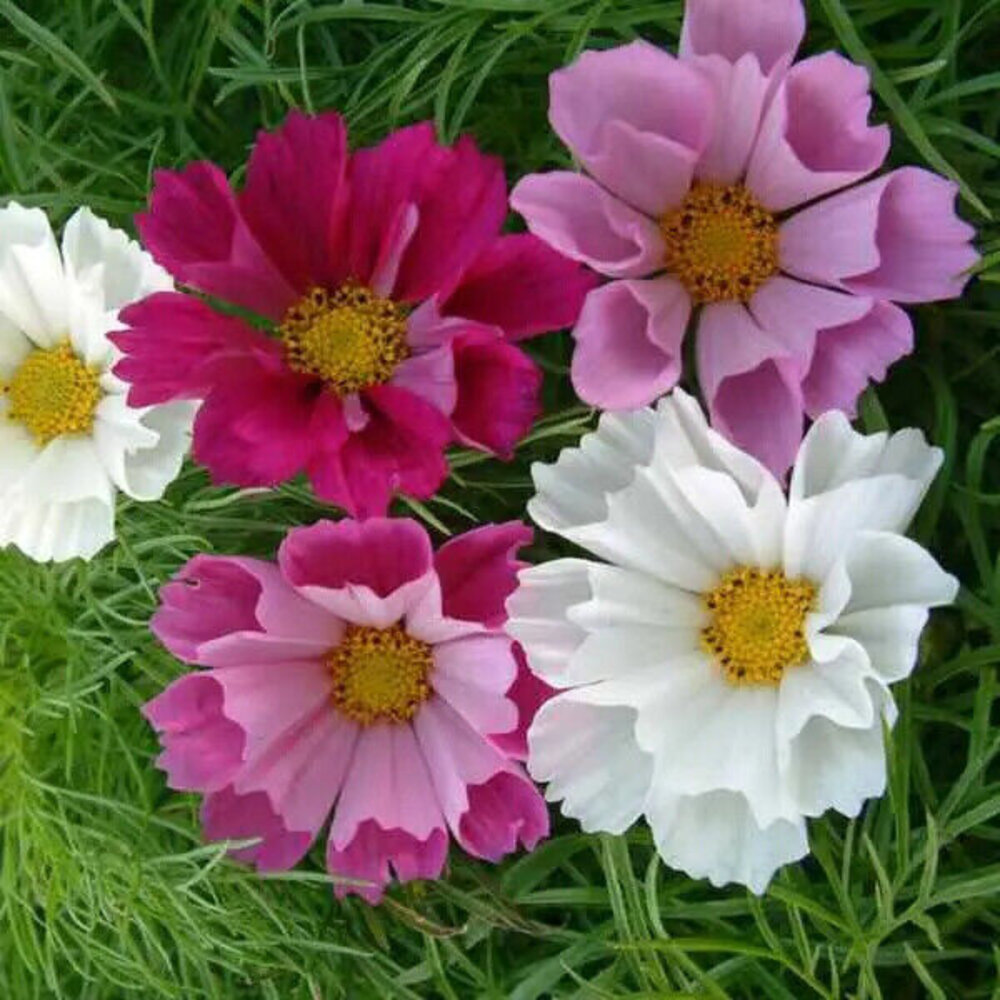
x=53, y=393
x=350, y=338
x=380, y=675
x=722, y=244
x=758, y=624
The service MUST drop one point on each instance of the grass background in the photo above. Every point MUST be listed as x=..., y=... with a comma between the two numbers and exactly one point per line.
x=106, y=890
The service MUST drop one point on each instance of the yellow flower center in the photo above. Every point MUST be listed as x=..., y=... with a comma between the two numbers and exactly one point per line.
x=722, y=244
x=758, y=624
x=54, y=393
x=350, y=338
x=380, y=674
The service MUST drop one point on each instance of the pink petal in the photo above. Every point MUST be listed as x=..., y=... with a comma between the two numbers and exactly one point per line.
x=295, y=197
x=628, y=342
x=529, y=692
x=401, y=448
x=771, y=29
x=636, y=118
x=228, y=816
x=177, y=347
x=195, y=230
x=388, y=782
x=473, y=675
x=924, y=248
x=202, y=749
x=459, y=195
x=303, y=770
x=815, y=137
x=431, y=376
x=498, y=392
x=369, y=855
x=478, y=571
x=752, y=387
x=382, y=554
x=741, y=89
x=793, y=313
x=503, y=811
x=218, y=610
x=522, y=286
x=577, y=217
x=847, y=357
x=252, y=429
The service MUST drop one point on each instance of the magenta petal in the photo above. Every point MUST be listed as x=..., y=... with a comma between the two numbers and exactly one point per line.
x=637, y=118
x=478, y=571
x=628, y=342
x=382, y=554
x=473, y=675
x=400, y=449
x=373, y=850
x=529, y=692
x=924, y=248
x=195, y=230
x=577, y=217
x=460, y=199
x=429, y=375
x=522, y=286
x=252, y=430
x=209, y=597
x=770, y=29
x=295, y=197
x=176, y=347
x=225, y=815
x=848, y=357
x=815, y=137
x=503, y=811
x=202, y=749
x=498, y=392
x=751, y=385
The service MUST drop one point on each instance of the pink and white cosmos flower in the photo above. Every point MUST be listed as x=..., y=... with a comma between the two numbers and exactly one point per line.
x=363, y=675
x=385, y=306
x=727, y=181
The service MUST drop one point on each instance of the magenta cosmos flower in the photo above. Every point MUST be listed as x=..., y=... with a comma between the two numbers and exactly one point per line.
x=727, y=181
x=385, y=305
x=363, y=675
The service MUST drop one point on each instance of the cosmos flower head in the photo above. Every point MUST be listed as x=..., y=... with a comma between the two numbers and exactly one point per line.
x=726, y=669
x=362, y=676
x=724, y=191
x=69, y=440
x=358, y=311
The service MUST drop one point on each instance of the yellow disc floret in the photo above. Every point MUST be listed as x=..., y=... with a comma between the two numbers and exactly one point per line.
x=722, y=244
x=350, y=338
x=53, y=393
x=380, y=674
x=757, y=628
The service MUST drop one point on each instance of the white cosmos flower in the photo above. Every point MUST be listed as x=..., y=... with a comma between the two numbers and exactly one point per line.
x=68, y=438
x=726, y=670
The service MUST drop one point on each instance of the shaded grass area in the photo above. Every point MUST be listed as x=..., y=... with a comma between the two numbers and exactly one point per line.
x=106, y=890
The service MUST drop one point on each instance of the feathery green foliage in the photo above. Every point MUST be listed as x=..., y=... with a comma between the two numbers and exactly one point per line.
x=106, y=890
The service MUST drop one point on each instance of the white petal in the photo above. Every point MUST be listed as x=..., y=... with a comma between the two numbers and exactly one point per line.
x=833, y=454
x=109, y=265
x=142, y=450
x=68, y=469
x=581, y=621
x=56, y=531
x=709, y=735
x=715, y=836
x=18, y=449
x=571, y=492
x=588, y=755
x=14, y=348
x=836, y=768
x=32, y=284
x=890, y=637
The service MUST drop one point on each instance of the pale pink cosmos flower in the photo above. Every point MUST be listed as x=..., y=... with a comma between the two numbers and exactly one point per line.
x=727, y=181
x=363, y=675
